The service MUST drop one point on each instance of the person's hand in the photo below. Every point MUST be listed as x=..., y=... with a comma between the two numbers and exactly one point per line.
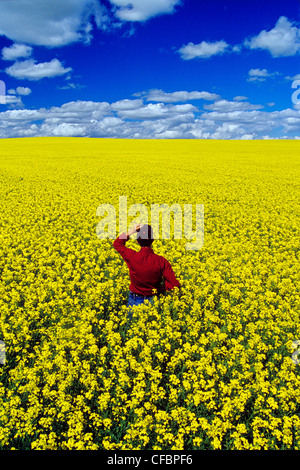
x=136, y=228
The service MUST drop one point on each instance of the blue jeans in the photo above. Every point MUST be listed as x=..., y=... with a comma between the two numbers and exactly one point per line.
x=136, y=299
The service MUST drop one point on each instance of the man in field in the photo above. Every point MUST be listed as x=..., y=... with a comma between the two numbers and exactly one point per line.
x=150, y=274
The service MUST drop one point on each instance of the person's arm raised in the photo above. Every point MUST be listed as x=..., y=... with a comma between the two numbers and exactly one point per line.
x=120, y=242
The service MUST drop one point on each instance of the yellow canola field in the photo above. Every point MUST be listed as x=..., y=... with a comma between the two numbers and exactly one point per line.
x=206, y=368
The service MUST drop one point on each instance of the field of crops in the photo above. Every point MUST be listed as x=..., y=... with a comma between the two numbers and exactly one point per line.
x=205, y=368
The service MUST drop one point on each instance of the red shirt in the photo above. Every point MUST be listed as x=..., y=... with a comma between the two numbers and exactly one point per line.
x=147, y=269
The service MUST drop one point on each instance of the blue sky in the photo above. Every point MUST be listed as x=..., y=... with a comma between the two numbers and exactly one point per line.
x=207, y=69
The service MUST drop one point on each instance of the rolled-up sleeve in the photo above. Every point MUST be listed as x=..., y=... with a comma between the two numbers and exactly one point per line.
x=120, y=245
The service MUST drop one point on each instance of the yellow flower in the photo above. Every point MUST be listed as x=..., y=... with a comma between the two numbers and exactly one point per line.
x=206, y=366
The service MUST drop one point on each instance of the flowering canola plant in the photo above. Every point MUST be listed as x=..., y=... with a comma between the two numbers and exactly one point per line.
x=206, y=367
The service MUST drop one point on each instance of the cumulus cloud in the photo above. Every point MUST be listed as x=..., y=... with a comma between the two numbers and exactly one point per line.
x=142, y=10
x=180, y=96
x=13, y=101
x=127, y=104
x=260, y=75
x=295, y=77
x=222, y=119
x=225, y=106
x=155, y=111
x=240, y=98
x=57, y=23
x=257, y=75
x=281, y=41
x=204, y=50
x=16, y=51
x=226, y=130
x=20, y=90
x=23, y=91
x=53, y=23
x=76, y=112
x=68, y=130
x=30, y=70
x=23, y=115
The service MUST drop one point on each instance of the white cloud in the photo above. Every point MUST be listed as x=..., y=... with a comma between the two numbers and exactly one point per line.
x=22, y=116
x=23, y=91
x=223, y=119
x=254, y=123
x=156, y=111
x=29, y=70
x=237, y=48
x=127, y=104
x=295, y=77
x=13, y=100
x=226, y=130
x=68, y=130
x=52, y=23
x=179, y=96
x=240, y=98
x=283, y=40
x=78, y=111
x=16, y=51
x=56, y=23
x=203, y=50
x=142, y=10
x=260, y=75
x=225, y=106
x=71, y=86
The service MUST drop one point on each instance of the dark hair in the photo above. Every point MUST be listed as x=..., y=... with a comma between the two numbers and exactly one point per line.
x=145, y=235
